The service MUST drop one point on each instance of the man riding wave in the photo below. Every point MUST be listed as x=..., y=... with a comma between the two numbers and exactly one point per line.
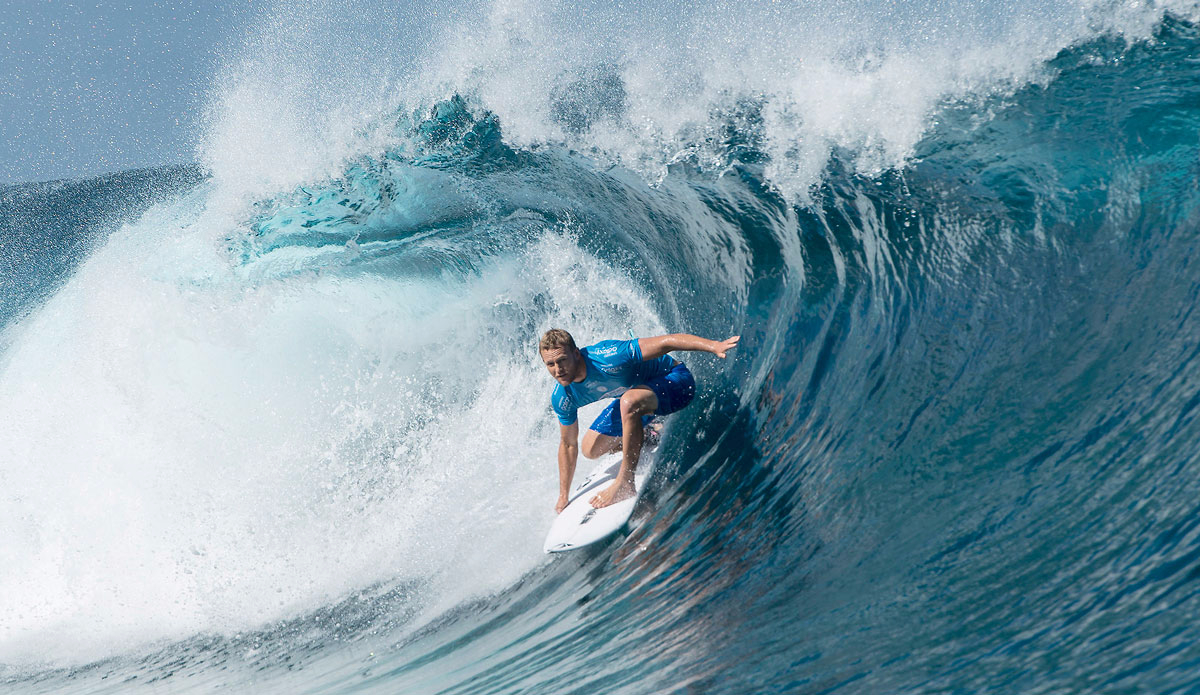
x=648, y=382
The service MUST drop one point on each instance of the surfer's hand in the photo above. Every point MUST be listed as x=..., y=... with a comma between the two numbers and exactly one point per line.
x=561, y=504
x=721, y=347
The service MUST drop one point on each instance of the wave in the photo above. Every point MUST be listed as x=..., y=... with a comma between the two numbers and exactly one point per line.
x=259, y=426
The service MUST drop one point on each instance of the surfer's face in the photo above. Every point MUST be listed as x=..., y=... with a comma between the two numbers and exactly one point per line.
x=562, y=363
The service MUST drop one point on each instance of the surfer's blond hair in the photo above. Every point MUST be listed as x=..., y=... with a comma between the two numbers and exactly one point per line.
x=556, y=338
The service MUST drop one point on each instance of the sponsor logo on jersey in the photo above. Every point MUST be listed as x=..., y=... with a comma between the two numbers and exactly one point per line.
x=605, y=351
x=562, y=402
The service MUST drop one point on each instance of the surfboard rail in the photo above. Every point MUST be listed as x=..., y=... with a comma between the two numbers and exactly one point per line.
x=580, y=524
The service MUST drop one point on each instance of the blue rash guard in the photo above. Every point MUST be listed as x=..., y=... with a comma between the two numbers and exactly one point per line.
x=613, y=367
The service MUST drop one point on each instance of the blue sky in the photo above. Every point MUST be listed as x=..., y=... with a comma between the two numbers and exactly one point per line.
x=93, y=87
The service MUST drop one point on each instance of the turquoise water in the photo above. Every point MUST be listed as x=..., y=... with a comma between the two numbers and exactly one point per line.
x=263, y=434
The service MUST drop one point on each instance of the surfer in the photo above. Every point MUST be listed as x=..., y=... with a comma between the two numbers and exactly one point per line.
x=649, y=382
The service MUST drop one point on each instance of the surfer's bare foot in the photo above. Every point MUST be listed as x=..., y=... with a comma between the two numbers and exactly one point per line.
x=613, y=493
x=561, y=504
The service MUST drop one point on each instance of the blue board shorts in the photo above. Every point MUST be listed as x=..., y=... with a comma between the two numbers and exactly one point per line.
x=675, y=389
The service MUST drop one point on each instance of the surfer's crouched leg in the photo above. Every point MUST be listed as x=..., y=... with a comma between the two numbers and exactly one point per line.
x=604, y=435
x=662, y=395
x=673, y=391
x=595, y=445
x=635, y=404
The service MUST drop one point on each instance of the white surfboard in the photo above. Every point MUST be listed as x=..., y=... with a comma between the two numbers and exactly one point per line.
x=580, y=524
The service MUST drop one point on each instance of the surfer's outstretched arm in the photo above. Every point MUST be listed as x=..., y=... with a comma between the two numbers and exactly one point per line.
x=653, y=348
x=568, y=454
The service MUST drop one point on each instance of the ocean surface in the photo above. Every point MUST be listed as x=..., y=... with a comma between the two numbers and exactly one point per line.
x=275, y=422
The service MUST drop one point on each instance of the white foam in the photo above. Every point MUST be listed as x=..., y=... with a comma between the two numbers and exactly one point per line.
x=864, y=75
x=313, y=88
x=314, y=84
x=184, y=451
x=867, y=77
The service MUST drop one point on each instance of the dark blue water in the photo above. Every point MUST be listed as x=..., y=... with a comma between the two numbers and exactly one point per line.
x=956, y=450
